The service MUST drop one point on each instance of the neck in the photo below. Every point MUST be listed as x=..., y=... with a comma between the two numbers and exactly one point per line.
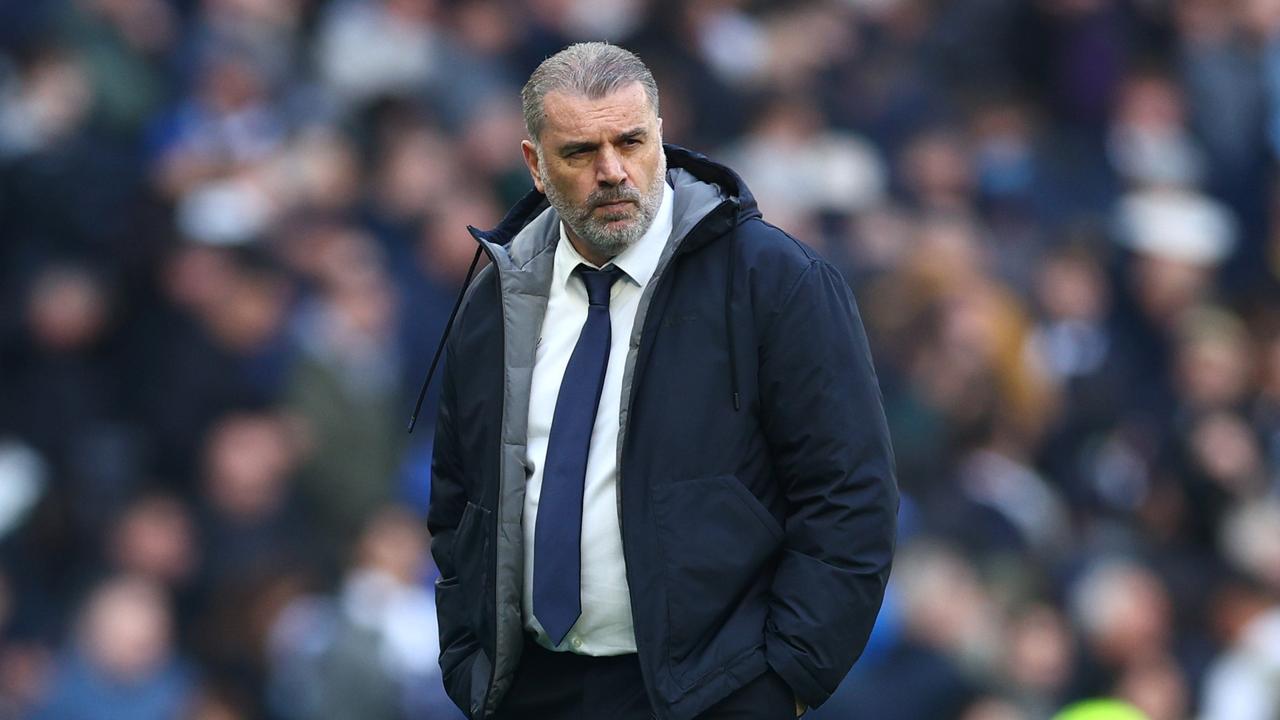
x=584, y=249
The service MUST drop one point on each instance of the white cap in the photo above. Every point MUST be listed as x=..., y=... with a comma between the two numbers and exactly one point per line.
x=223, y=212
x=1178, y=225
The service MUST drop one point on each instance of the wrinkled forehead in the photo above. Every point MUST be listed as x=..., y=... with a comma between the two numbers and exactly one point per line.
x=571, y=116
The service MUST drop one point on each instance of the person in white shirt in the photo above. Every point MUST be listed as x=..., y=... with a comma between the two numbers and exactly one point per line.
x=662, y=483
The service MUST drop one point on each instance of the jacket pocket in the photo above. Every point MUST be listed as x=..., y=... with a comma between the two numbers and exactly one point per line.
x=472, y=558
x=719, y=548
x=458, y=645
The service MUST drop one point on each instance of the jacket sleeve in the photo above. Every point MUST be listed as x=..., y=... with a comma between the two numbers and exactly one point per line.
x=823, y=417
x=459, y=646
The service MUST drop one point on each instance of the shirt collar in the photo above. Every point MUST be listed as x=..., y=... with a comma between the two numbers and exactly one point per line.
x=638, y=261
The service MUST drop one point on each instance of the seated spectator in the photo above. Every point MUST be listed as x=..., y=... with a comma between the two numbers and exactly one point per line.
x=121, y=664
x=369, y=652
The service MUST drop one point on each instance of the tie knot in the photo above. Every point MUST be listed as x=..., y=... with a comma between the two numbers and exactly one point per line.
x=599, y=283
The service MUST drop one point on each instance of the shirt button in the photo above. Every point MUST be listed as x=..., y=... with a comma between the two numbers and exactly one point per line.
x=576, y=643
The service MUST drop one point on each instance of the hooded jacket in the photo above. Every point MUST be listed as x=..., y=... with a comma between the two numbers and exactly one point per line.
x=756, y=494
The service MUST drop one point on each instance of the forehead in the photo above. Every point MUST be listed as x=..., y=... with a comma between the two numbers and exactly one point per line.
x=576, y=117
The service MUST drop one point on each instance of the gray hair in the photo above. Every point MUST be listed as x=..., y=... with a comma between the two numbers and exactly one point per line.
x=592, y=70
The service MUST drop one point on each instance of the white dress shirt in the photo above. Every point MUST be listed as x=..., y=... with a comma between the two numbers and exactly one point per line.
x=605, y=626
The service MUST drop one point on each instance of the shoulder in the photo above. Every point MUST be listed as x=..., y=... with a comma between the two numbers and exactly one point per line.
x=482, y=291
x=479, y=309
x=764, y=241
x=776, y=261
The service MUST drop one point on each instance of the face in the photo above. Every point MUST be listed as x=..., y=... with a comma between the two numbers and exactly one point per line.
x=601, y=167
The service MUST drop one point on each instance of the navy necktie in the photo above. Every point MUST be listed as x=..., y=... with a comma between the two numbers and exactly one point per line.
x=557, y=538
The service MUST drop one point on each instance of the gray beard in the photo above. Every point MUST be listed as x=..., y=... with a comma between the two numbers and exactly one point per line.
x=595, y=232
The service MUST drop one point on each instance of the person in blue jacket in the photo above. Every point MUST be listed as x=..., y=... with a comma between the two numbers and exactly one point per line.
x=662, y=483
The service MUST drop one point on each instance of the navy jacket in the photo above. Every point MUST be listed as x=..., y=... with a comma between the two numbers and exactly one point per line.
x=755, y=478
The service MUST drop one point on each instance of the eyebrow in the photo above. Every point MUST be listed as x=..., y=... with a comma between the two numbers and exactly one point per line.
x=570, y=148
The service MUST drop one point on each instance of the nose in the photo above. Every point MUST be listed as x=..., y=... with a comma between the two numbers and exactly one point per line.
x=609, y=169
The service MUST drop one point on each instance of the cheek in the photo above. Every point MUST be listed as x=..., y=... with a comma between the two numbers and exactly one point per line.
x=645, y=169
x=573, y=186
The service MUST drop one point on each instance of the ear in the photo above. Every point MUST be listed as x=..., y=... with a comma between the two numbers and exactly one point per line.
x=531, y=161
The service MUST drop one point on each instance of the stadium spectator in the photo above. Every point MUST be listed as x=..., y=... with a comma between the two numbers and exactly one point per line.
x=122, y=663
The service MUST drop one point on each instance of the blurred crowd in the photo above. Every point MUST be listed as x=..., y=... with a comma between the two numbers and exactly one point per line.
x=231, y=232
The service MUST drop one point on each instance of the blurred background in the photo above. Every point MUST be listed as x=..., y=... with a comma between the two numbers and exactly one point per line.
x=231, y=232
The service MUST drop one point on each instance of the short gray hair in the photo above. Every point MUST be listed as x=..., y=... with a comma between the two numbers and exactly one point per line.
x=590, y=69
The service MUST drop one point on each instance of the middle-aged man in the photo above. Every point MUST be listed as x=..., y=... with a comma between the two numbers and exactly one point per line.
x=662, y=483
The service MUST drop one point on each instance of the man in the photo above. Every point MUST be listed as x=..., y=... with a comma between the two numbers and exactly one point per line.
x=662, y=483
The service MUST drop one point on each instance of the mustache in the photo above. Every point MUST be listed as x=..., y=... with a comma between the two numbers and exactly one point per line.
x=613, y=195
